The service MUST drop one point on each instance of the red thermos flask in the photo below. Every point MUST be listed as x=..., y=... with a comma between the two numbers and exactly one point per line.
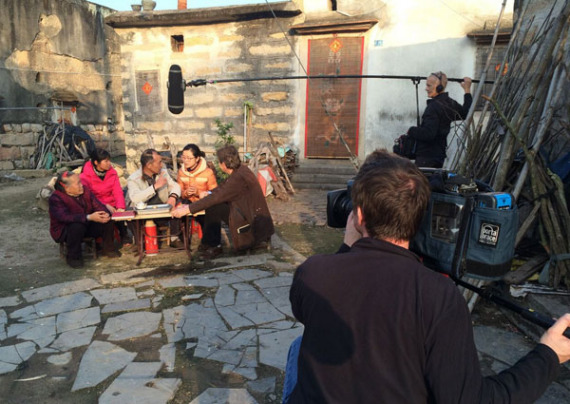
x=150, y=239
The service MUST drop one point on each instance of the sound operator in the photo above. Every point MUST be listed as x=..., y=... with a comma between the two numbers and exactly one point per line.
x=382, y=328
x=441, y=110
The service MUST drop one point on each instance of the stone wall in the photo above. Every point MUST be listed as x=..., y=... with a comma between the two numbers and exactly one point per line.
x=57, y=53
x=18, y=143
x=244, y=49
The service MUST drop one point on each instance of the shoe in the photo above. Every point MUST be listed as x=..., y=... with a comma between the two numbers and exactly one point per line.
x=111, y=254
x=177, y=243
x=212, y=252
x=126, y=241
x=203, y=247
x=75, y=263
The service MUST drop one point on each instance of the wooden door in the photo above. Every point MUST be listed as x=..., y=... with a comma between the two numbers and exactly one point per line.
x=333, y=102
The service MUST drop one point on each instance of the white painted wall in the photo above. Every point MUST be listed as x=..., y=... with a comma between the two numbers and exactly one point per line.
x=417, y=37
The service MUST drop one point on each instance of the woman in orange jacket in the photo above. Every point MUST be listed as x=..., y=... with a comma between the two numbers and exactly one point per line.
x=194, y=178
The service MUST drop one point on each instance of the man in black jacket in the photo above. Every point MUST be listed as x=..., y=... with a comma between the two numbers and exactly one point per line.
x=381, y=328
x=441, y=110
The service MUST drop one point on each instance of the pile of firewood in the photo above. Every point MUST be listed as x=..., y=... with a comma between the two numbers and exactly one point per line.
x=268, y=155
x=524, y=127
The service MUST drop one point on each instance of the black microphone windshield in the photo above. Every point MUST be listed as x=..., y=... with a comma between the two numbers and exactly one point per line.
x=176, y=87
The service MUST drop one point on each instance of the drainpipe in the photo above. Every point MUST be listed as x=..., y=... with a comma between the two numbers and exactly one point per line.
x=182, y=4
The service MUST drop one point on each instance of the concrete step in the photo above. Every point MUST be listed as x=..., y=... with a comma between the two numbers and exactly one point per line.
x=323, y=174
x=319, y=186
x=334, y=178
x=325, y=167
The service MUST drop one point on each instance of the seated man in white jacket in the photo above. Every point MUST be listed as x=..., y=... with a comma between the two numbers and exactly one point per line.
x=152, y=185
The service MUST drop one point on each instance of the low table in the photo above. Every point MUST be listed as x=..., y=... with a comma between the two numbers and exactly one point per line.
x=138, y=220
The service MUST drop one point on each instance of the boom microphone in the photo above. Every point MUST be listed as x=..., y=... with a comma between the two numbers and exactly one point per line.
x=176, y=87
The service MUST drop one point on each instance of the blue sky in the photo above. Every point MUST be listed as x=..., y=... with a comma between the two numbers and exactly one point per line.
x=125, y=5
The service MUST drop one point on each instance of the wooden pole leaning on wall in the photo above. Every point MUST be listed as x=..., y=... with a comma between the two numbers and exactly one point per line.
x=276, y=151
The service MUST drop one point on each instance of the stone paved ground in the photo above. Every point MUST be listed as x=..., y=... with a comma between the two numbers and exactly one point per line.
x=146, y=335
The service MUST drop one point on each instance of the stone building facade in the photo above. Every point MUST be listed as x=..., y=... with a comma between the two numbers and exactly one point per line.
x=58, y=60
x=123, y=60
x=223, y=43
x=293, y=38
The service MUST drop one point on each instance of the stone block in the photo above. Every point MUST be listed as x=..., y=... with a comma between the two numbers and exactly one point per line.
x=233, y=112
x=284, y=110
x=26, y=127
x=155, y=126
x=102, y=144
x=238, y=67
x=203, y=57
x=9, y=153
x=17, y=128
x=200, y=99
x=37, y=128
x=214, y=112
x=27, y=151
x=275, y=96
x=19, y=139
x=233, y=97
x=269, y=50
x=273, y=127
x=188, y=125
x=206, y=71
x=230, y=38
x=198, y=40
x=6, y=165
x=232, y=53
x=7, y=128
x=278, y=66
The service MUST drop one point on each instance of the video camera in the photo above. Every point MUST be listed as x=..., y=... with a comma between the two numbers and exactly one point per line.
x=468, y=229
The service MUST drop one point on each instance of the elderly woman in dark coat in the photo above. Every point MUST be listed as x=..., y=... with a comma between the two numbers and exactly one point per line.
x=241, y=203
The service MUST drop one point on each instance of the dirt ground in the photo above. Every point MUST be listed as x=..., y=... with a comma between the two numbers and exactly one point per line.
x=29, y=258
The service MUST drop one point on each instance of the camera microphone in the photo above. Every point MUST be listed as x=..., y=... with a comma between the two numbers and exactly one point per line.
x=176, y=87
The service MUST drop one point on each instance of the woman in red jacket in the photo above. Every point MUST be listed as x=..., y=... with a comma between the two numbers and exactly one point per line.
x=102, y=179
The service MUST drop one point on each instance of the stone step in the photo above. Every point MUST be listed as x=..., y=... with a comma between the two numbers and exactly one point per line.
x=319, y=186
x=332, y=178
x=325, y=167
x=323, y=174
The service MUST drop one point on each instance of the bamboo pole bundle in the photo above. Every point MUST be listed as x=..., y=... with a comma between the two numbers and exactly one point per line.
x=528, y=112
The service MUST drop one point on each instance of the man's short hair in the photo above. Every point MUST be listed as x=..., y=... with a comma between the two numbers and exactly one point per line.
x=229, y=156
x=392, y=194
x=147, y=156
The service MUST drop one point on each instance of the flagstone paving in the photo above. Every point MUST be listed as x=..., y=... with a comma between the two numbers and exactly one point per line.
x=139, y=338
x=237, y=316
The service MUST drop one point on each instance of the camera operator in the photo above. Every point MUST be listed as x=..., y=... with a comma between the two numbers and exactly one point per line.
x=382, y=328
x=441, y=110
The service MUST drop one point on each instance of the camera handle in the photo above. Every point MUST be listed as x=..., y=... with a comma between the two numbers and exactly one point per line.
x=529, y=314
x=456, y=270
